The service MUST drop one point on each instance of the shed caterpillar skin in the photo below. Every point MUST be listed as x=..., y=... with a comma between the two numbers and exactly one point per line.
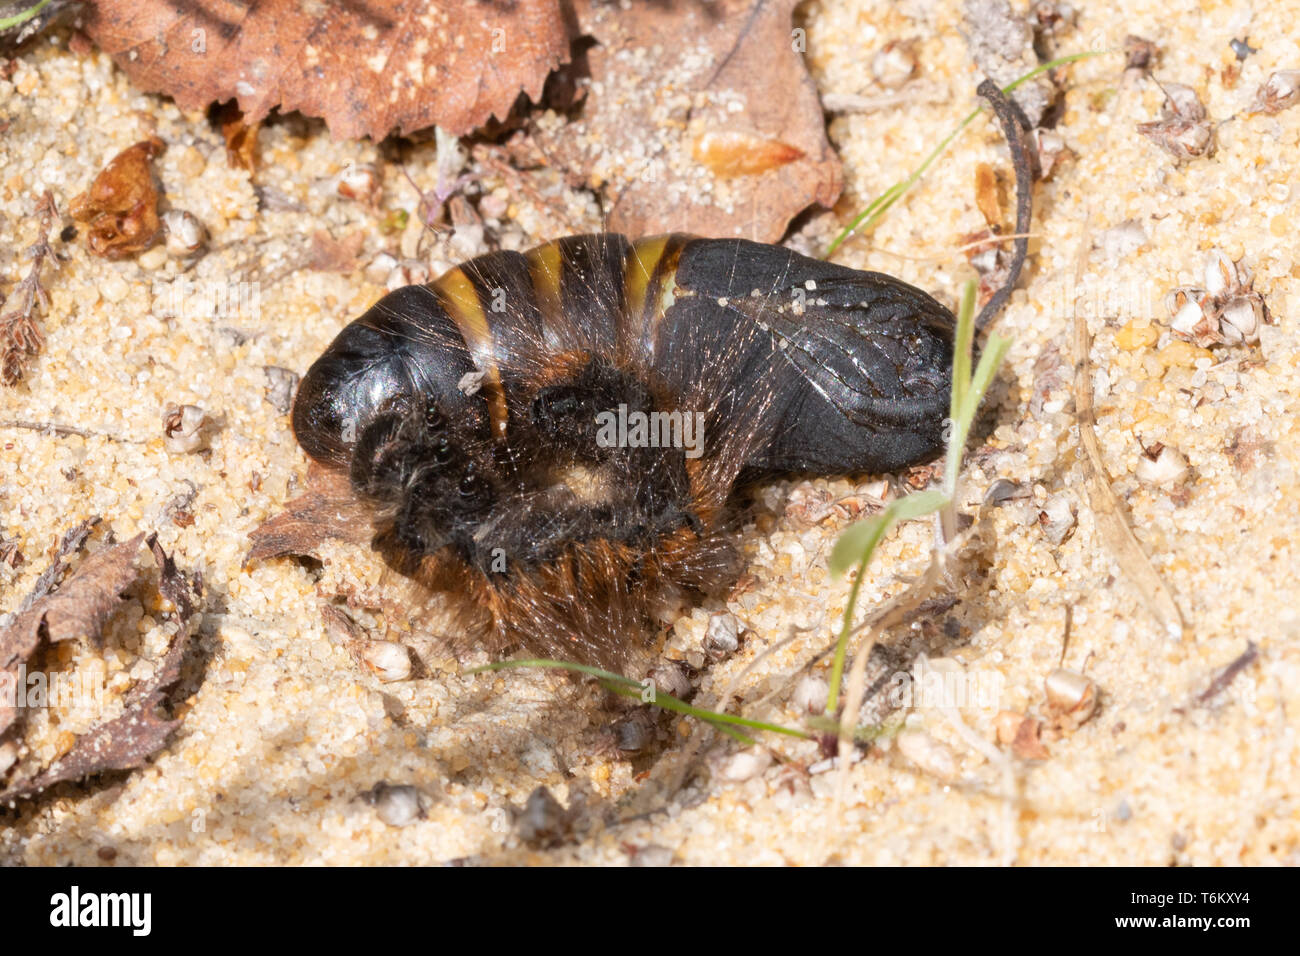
x=554, y=437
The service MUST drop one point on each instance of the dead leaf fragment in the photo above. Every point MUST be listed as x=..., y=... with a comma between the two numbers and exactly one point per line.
x=367, y=69
x=328, y=254
x=240, y=137
x=718, y=132
x=120, y=209
x=730, y=154
x=77, y=609
x=125, y=742
x=1023, y=734
x=987, y=195
x=327, y=510
x=21, y=338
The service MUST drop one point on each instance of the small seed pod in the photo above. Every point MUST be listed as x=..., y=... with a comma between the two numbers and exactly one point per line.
x=186, y=236
x=810, y=694
x=1051, y=150
x=673, y=678
x=722, y=637
x=894, y=64
x=1184, y=101
x=1280, y=90
x=389, y=660
x=1071, y=697
x=1189, y=315
x=1240, y=319
x=1220, y=273
x=1184, y=129
x=1162, y=465
x=1066, y=689
x=186, y=429
x=1057, y=519
x=746, y=765
x=397, y=806
x=360, y=181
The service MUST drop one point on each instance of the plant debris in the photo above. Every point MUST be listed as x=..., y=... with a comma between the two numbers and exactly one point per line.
x=1229, y=674
x=1184, y=129
x=77, y=609
x=240, y=137
x=186, y=429
x=21, y=637
x=1140, y=54
x=26, y=18
x=87, y=601
x=81, y=608
x=1280, y=91
x=1112, y=523
x=1227, y=311
x=1071, y=699
x=20, y=336
x=328, y=254
x=723, y=132
x=1022, y=733
x=120, y=209
x=544, y=821
x=327, y=510
x=367, y=69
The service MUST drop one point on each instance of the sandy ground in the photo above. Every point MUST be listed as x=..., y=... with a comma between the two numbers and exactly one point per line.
x=285, y=731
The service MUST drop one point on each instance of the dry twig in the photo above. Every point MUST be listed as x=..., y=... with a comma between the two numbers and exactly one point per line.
x=20, y=336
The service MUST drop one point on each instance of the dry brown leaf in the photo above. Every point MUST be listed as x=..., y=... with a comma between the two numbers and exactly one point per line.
x=327, y=510
x=367, y=69
x=127, y=741
x=81, y=606
x=1022, y=733
x=77, y=609
x=328, y=254
x=120, y=209
x=702, y=119
x=988, y=195
x=21, y=338
x=19, y=640
x=240, y=137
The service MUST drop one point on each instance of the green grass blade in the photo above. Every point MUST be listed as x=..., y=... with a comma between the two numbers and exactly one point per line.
x=24, y=16
x=860, y=540
x=857, y=544
x=963, y=341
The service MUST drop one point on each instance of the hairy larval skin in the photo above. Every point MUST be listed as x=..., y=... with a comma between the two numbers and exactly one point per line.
x=468, y=416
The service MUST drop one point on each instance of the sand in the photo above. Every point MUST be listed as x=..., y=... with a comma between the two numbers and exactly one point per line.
x=284, y=731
